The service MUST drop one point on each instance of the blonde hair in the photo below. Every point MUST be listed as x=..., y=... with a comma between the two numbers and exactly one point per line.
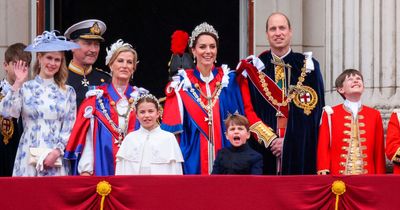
x=124, y=49
x=60, y=78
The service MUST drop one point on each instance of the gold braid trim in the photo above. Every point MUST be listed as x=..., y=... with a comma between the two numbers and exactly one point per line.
x=263, y=132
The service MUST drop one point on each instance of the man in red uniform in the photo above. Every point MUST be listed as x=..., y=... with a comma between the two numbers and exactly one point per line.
x=351, y=134
x=393, y=141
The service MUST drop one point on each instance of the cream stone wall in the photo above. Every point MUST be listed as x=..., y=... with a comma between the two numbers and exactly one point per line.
x=15, y=25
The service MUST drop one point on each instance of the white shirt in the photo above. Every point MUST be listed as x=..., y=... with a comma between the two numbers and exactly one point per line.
x=207, y=80
x=353, y=106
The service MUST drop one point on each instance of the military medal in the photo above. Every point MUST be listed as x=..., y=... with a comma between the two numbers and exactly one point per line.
x=7, y=129
x=85, y=82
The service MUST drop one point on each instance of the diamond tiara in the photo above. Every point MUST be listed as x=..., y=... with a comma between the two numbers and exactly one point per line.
x=147, y=95
x=202, y=28
x=114, y=47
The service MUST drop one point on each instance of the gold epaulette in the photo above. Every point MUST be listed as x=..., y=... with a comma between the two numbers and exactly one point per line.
x=264, y=133
x=102, y=71
x=323, y=172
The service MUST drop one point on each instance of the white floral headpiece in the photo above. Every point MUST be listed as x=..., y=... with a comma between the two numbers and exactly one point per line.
x=202, y=28
x=114, y=47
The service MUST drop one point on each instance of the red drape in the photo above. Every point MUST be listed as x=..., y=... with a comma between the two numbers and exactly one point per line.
x=200, y=192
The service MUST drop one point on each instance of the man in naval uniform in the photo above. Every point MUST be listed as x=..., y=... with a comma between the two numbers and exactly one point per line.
x=82, y=74
x=286, y=92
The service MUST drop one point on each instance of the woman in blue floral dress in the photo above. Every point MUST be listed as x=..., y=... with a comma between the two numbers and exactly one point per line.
x=47, y=106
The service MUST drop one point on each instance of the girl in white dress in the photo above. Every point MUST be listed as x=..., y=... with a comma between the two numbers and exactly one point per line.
x=149, y=150
x=47, y=107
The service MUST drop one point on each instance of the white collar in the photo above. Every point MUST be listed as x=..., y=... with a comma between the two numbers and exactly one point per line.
x=149, y=131
x=353, y=106
x=207, y=79
x=45, y=82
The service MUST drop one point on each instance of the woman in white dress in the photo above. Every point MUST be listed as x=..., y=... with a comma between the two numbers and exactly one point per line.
x=47, y=106
x=149, y=150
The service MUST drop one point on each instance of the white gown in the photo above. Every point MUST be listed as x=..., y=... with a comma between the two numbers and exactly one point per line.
x=48, y=114
x=154, y=152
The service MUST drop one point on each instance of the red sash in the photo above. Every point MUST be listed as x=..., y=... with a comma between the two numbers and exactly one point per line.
x=275, y=90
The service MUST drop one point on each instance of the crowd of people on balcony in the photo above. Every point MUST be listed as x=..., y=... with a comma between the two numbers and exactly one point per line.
x=265, y=117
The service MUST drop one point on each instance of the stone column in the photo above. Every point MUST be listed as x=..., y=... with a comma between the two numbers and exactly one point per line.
x=15, y=24
x=364, y=35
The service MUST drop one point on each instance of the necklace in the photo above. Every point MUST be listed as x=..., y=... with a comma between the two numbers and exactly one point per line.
x=130, y=101
x=211, y=100
x=121, y=132
x=274, y=101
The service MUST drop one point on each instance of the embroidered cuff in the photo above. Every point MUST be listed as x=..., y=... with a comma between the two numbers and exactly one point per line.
x=263, y=132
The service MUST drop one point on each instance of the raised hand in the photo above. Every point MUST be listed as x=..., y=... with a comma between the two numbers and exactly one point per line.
x=21, y=73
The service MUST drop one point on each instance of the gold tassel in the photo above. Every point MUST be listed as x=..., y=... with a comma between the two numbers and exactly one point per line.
x=338, y=188
x=103, y=189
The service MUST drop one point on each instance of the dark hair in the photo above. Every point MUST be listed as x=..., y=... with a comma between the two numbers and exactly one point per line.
x=205, y=33
x=277, y=13
x=237, y=119
x=16, y=52
x=342, y=77
x=149, y=99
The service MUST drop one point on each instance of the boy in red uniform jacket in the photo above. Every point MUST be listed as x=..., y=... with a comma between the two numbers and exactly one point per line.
x=350, y=134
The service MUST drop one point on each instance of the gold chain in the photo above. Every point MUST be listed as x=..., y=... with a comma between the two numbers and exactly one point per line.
x=275, y=102
x=121, y=132
x=131, y=106
x=215, y=97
